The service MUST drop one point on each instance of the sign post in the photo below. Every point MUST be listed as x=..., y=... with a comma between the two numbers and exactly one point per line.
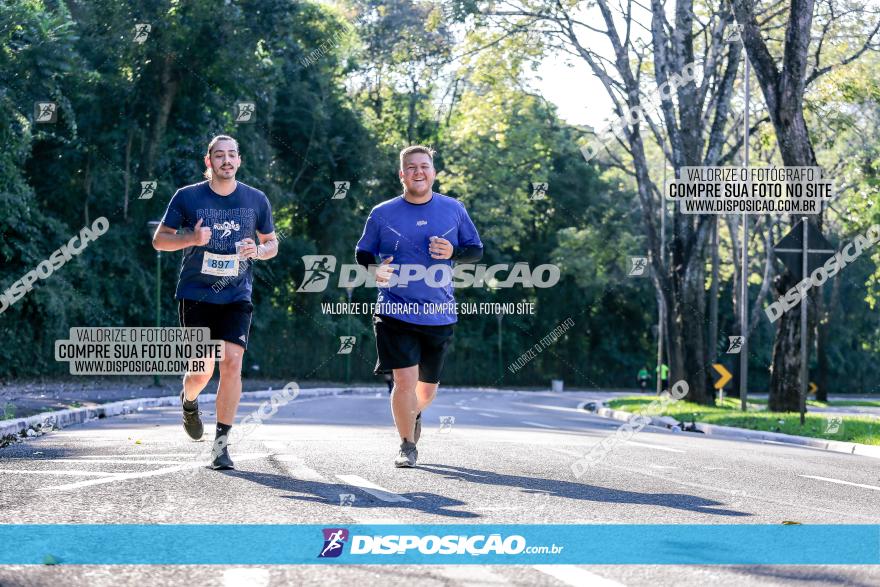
x=725, y=376
x=744, y=279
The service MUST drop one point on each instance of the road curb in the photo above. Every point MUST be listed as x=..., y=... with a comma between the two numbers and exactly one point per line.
x=855, y=448
x=46, y=421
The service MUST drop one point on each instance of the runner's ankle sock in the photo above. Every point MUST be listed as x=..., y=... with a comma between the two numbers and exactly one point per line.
x=190, y=405
x=223, y=430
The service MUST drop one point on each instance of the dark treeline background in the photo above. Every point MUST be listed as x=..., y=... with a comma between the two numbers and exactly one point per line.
x=404, y=72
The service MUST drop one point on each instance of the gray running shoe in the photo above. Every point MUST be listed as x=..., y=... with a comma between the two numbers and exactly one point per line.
x=407, y=456
x=220, y=452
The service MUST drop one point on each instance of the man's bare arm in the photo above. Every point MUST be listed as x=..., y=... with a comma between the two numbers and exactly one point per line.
x=167, y=239
x=268, y=246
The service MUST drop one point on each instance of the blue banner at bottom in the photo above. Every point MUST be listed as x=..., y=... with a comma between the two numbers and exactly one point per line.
x=733, y=544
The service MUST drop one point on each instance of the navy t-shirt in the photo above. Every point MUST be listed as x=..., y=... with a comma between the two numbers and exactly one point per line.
x=212, y=273
x=402, y=230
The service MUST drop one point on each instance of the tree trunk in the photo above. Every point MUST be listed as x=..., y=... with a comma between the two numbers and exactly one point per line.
x=785, y=368
x=821, y=351
x=826, y=312
x=713, y=298
x=127, y=174
x=796, y=150
x=411, y=115
x=169, y=86
x=783, y=91
x=687, y=354
x=87, y=188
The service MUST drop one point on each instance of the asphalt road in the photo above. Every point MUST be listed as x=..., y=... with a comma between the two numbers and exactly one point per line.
x=506, y=458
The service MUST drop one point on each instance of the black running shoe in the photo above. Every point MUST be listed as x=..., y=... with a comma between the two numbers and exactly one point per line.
x=418, y=430
x=407, y=456
x=222, y=461
x=192, y=422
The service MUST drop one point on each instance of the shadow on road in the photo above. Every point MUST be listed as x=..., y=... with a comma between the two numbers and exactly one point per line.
x=328, y=494
x=571, y=490
x=803, y=574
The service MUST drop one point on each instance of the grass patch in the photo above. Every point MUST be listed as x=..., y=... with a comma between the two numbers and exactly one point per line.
x=863, y=429
x=862, y=403
x=837, y=403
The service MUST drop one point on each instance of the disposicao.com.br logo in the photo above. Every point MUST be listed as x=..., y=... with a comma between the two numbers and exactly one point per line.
x=320, y=268
x=431, y=544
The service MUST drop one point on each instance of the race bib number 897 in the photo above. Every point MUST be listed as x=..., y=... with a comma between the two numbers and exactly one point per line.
x=220, y=265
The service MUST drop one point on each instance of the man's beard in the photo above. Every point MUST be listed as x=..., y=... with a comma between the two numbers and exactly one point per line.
x=220, y=172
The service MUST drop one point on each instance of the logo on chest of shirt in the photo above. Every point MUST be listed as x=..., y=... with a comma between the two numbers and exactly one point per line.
x=421, y=223
x=227, y=227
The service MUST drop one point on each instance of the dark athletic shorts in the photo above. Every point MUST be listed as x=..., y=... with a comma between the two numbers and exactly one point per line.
x=401, y=344
x=229, y=322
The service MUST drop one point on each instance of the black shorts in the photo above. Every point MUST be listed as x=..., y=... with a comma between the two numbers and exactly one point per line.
x=229, y=322
x=400, y=344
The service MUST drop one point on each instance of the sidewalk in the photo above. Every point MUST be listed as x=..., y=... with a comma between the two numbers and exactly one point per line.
x=29, y=398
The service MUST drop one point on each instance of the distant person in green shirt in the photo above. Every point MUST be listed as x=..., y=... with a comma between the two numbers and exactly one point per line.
x=644, y=378
x=663, y=370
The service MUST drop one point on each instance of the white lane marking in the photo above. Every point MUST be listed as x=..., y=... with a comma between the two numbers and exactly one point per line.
x=154, y=473
x=112, y=461
x=663, y=467
x=505, y=412
x=292, y=463
x=654, y=446
x=548, y=407
x=72, y=472
x=487, y=415
x=576, y=576
x=246, y=577
x=297, y=469
x=372, y=488
x=472, y=575
x=142, y=455
x=839, y=482
x=539, y=425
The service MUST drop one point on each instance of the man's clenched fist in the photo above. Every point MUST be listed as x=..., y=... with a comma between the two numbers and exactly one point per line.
x=201, y=234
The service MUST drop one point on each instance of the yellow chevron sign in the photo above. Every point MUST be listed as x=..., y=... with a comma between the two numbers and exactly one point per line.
x=725, y=375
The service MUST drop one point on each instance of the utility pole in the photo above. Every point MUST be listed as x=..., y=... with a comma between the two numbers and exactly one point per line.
x=500, y=316
x=805, y=368
x=744, y=281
